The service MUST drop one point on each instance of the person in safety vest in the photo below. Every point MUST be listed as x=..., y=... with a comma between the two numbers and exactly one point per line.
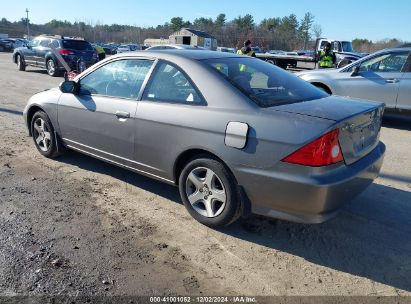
x=326, y=57
x=246, y=50
x=100, y=52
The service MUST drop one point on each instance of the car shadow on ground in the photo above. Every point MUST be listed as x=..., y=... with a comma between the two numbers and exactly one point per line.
x=91, y=164
x=370, y=238
x=34, y=70
x=40, y=71
x=401, y=121
x=11, y=111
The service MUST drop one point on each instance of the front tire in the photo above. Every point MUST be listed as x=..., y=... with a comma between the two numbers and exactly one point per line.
x=20, y=64
x=323, y=88
x=209, y=192
x=43, y=135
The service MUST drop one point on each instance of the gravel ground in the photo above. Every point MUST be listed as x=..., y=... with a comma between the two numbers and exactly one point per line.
x=78, y=226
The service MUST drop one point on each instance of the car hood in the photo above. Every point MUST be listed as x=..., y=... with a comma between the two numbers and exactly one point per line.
x=331, y=108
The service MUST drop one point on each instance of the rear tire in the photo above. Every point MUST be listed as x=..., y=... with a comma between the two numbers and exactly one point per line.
x=20, y=63
x=52, y=68
x=209, y=192
x=44, y=137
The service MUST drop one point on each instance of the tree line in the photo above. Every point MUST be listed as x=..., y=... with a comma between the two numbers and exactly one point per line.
x=283, y=33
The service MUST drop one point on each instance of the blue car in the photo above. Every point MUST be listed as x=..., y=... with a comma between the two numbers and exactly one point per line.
x=79, y=54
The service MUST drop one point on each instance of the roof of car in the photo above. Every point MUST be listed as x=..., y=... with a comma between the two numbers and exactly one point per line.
x=180, y=54
x=176, y=46
x=405, y=48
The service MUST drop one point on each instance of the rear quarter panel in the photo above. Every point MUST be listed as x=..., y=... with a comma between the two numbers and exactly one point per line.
x=165, y=131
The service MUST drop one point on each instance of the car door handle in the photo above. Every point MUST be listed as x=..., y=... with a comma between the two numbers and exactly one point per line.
x=393, y=80
x=121, y=114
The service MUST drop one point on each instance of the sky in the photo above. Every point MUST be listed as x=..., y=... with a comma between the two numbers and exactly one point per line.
x=342, y=20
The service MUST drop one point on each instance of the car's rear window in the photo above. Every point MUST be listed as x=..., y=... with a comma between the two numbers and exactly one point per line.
x=79, y=45
x=264, y=83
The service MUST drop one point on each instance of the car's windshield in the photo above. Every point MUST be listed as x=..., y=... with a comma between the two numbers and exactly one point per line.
x=347, y=46
x=264, y=83
x=79, y=45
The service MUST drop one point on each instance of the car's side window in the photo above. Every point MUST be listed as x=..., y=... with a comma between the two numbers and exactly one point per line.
x=121, y=78
x=55, y=43
x=407, y=66
x=335, y=46
x=170, y=84
x=34, y=42
x=385, y=63
x=45, y=43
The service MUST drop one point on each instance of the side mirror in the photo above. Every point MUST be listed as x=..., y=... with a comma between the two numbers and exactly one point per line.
x=355, y=71
x=70, y=87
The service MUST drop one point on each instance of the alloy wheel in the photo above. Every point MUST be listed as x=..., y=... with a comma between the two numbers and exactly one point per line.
x=51, y=67
x=206, y=192
x=41, y=134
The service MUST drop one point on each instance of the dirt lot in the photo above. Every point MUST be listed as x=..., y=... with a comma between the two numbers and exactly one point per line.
x=78, y=226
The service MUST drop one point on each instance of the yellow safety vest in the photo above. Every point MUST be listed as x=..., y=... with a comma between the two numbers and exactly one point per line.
x=250, y=53
x=243, y=68
x=326, y=60
x=99, y=49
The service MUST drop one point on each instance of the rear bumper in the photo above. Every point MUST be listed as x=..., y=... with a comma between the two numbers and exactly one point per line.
x=312, y=196
x=74, y=62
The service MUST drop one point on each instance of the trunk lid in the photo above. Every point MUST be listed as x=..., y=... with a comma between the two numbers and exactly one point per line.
x=332, y=108
x=359, y=122
x=360, y=134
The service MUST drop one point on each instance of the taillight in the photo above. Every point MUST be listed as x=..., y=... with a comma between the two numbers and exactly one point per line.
x=65, y=52
x=323, y=151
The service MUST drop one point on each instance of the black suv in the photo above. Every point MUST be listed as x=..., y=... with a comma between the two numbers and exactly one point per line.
x=79, y=54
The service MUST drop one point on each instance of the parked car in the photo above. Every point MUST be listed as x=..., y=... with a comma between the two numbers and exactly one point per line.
x=79, y=54
x=234, y=142
x=226, y=49
x=110, y=48
x=128, y=48
x=384, y=76
x=19, y=42
x=6, y=45
x=174, y=47
x=9, y=44
x=258, y=50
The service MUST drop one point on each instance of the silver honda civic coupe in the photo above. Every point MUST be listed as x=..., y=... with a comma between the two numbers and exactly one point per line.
x=236, y=135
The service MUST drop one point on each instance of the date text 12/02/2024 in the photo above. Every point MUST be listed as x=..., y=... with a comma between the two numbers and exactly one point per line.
x=203, y=299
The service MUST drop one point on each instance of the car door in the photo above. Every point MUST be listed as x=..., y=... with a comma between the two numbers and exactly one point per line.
x=404, y=91
x=40, y=52
x=377, y=79
x=100, y=119
x=30, y=52
x=170, y=99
